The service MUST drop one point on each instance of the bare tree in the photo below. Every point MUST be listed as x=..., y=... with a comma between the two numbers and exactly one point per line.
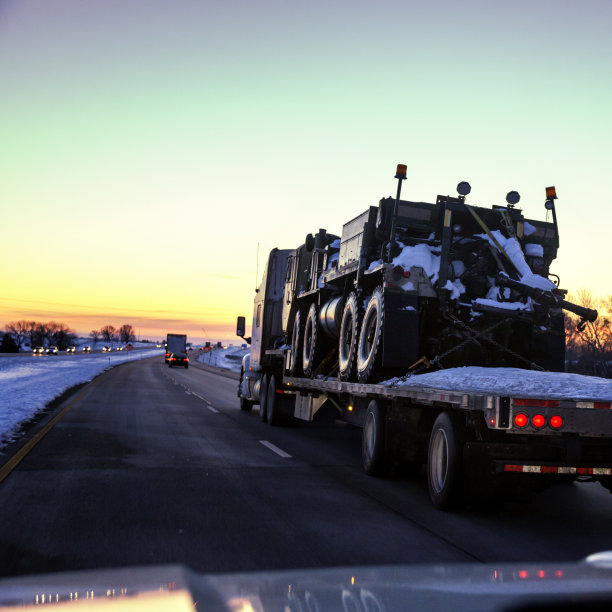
x=19, y=331
x=126, y=333
x=95, y=336
x=589, y=345
x=62, y=336
x=108, y=333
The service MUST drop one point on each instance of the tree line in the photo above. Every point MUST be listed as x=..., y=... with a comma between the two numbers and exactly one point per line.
x=108, y=333
x=588, y=346
x=35, y=333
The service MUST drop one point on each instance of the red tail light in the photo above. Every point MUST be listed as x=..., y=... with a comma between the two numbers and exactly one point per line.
x=538, y=421
x=556, y=421
x=520, y=420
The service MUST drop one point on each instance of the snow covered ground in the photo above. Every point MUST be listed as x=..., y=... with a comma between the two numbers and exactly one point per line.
x=514, y=382
x=229, y=358
x=28, y=384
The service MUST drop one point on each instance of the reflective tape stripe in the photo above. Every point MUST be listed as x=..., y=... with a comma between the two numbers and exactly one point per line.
x=601, y=405
x=551, y=469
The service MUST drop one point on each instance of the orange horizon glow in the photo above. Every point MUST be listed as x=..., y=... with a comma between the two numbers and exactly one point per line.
x=152, y=326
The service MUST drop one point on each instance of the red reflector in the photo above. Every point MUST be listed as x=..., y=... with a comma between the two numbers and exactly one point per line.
x=559, y=574
x=513, y=468
x=538, y=420
x=601, y=405
x=520, y=420
x=407, y=274
x=547, y=469
x=556, y=421
x=518, y=401
x=541, y=574
x=584, y=471
x=523, y=574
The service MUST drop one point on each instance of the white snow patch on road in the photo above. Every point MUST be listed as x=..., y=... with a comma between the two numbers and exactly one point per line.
x=514, y=382
x=29, y=383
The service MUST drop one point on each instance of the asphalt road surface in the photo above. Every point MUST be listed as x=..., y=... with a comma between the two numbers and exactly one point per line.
x=154, y=465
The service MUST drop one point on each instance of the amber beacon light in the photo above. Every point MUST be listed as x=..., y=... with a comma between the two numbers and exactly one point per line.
x=401, y=171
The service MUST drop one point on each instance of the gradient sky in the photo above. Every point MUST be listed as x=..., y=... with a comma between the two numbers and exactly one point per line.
x=148, y=146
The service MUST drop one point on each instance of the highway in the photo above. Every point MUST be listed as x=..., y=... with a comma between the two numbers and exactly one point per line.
x=152, y=465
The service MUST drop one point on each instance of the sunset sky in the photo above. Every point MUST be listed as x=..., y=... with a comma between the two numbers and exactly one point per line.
x=149, y=146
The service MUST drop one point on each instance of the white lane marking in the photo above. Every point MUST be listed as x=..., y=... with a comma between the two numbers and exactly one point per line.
x=213, y=409
x=200, y=397
x=275, y=449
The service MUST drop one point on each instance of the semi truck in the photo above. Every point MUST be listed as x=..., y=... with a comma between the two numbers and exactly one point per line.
x=343, y=326
x=175, y=343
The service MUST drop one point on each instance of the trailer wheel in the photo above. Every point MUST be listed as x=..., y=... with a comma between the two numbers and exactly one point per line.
x=373, y=440
x=312, y=341
x=263, y=398
x=349, y=334
x=370, y=338
x=444, y=464
x=297, y=337
x=272, y=407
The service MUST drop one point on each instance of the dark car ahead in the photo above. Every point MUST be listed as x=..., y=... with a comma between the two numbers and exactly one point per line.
x=178, y=359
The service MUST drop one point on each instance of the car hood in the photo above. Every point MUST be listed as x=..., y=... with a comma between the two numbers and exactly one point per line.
x=470, y=587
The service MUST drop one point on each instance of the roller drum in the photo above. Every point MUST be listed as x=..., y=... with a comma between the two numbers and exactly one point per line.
x=330, y=317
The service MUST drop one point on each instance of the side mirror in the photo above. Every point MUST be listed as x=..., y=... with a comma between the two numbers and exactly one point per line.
x=240, y=327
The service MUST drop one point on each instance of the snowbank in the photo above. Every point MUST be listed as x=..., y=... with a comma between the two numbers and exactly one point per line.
x=28, y=384
x=230, y=358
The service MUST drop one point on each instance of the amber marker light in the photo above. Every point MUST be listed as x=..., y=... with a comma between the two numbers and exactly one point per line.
x=401, y=171
x=551, y=193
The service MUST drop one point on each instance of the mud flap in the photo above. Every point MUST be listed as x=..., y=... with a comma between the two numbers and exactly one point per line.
x=400, y=331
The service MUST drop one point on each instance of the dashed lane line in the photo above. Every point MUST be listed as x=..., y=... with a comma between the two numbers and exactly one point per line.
x=279, y=451
x=200, y=397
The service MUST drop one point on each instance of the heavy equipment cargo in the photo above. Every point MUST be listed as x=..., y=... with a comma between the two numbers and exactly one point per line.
x=412, y=287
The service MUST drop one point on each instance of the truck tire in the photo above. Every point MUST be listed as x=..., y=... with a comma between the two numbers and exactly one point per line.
x=445, y=462
x=245, y=404
x=313, y=339
x=349, y=334
x=272, y=403
x=297, y=338
x=369, y=347
x=263, y=398
x=373, y=456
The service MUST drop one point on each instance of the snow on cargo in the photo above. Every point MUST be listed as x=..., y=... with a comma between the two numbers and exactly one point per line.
x=513, y=382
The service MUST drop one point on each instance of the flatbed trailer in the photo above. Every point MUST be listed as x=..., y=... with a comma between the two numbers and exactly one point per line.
x=410, y=284
x=476, y=447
